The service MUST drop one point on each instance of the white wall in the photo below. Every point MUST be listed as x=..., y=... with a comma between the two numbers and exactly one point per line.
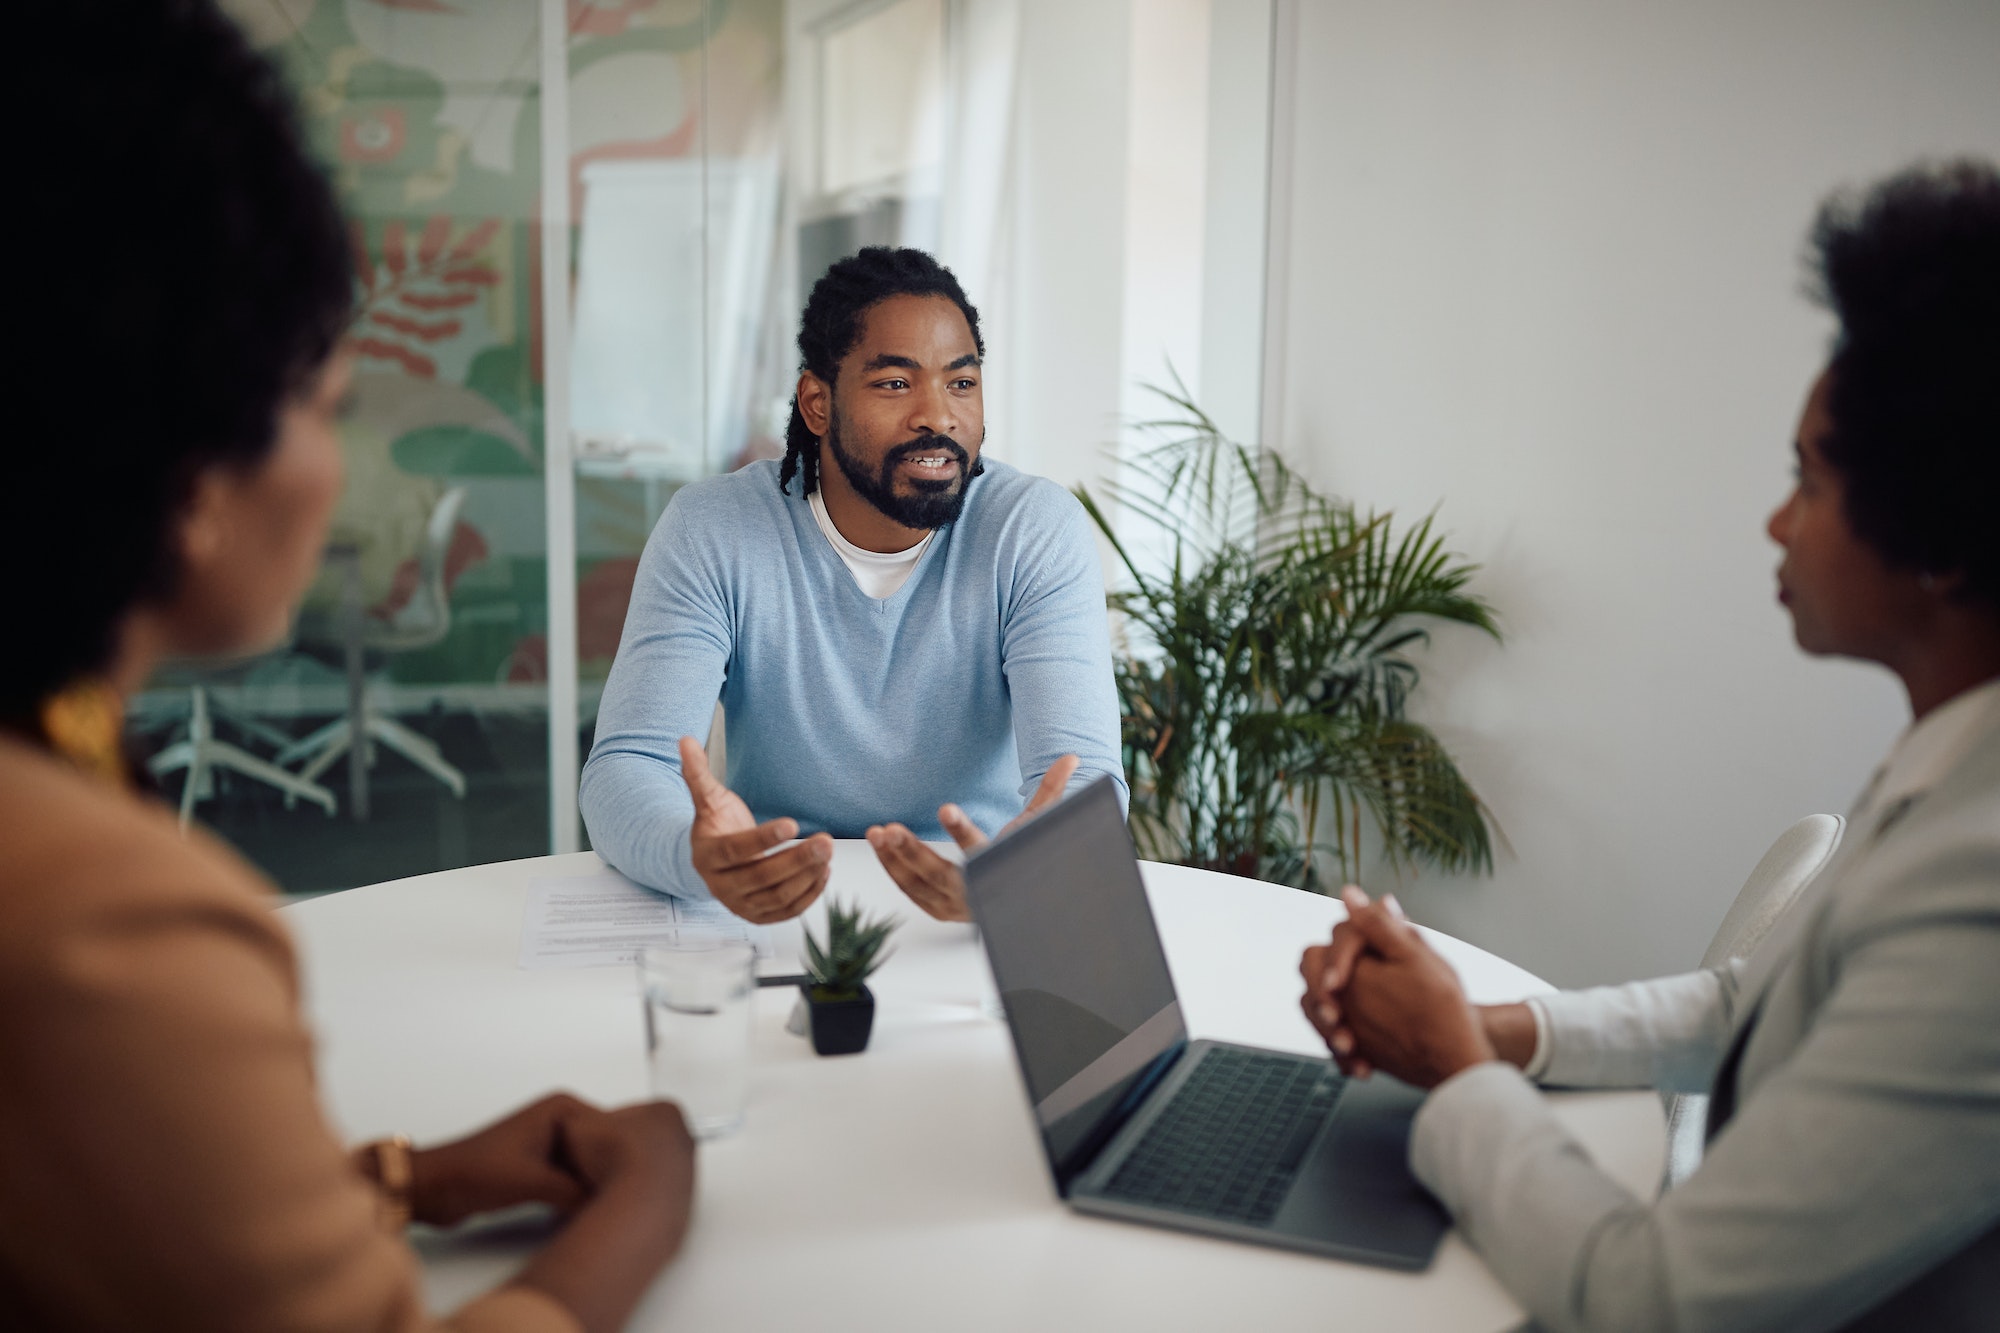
x=1234, y=216
x=1166, y=159
x=1065, y=298
x=1543, y=273
x=1135, y=224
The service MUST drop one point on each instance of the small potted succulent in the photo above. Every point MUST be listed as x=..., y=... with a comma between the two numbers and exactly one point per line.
x=839, y=1006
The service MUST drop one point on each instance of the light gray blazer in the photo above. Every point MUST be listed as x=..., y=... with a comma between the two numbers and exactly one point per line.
x=1852, y=1176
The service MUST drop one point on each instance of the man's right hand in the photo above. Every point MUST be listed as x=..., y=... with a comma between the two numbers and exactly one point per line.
x=732, y=851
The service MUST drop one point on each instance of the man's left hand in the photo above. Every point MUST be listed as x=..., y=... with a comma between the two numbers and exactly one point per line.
x=938, y=885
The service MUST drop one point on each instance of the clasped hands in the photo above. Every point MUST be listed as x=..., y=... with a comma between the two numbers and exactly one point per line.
x=734, y=857
x=1382, y=998
x=562, y=1152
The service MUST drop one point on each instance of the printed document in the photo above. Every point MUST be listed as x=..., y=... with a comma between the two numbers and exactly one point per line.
x=603, y=919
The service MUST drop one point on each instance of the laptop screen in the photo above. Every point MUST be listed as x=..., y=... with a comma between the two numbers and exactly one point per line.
x=1078, y=961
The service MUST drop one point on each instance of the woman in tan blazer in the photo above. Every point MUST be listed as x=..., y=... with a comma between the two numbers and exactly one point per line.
x=172, y=465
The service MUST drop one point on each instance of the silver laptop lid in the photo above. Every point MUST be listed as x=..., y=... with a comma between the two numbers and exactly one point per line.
x=1077, y=957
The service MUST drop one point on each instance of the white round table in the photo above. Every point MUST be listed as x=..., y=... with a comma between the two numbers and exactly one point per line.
x=903, y=1188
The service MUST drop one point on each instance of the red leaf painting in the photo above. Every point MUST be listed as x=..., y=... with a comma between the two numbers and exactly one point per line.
x=394, y=252
x=431, y=244
x=416, y=328
x=475, y=240
x=413, y=363
x=437, y=300
x=428, y=273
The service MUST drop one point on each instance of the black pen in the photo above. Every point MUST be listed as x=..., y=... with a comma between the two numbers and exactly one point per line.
x=795, y=979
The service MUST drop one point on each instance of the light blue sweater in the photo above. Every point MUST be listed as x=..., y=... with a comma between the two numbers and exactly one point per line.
x=991, y=662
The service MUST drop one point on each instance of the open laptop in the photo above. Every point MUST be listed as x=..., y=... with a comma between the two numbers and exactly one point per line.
x=1139, y=1122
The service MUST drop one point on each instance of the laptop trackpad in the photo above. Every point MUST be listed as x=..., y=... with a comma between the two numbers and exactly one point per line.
x=1355, y=1191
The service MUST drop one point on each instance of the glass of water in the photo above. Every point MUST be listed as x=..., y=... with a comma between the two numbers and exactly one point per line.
x=697, y=997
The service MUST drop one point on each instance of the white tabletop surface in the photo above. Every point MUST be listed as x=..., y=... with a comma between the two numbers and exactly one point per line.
x=903, y=1188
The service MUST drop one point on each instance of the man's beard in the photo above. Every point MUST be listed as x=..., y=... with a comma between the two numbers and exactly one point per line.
x=935, y=503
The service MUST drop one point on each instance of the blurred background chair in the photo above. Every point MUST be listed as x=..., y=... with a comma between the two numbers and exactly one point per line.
x=201, y=752
x=420, y=622
x=1800, y=853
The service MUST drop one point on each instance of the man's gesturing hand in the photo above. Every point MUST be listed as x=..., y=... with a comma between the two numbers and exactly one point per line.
x=935, y=884
x=732, y=851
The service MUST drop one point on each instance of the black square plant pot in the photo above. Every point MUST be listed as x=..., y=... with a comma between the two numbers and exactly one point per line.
x=840, y=1027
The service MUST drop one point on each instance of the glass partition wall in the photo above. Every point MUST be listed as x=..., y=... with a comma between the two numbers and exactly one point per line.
x=422, y=652
x=583, y=231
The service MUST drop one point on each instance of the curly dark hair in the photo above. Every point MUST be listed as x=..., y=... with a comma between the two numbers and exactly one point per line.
x=832, y=323
x=1912, y=270
x=188, y=272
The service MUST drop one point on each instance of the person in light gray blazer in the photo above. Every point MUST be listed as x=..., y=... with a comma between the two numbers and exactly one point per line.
x=1852, y=1172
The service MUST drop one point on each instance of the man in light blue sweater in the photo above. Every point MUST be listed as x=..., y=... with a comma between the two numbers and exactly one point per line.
x=907, y=624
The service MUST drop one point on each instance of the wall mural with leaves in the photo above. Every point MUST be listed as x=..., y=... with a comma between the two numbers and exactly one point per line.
x=427, y=115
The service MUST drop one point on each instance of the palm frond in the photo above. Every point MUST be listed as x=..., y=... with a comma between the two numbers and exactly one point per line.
x=1270, y=664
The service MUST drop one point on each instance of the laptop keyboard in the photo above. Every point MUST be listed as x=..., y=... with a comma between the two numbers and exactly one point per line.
x=1229, y=1143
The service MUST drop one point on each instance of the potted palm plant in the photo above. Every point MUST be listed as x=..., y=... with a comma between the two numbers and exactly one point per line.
x=1267, y=666
x=840, y=1008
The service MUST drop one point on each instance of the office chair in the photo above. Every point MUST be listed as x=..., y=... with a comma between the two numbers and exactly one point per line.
x=424, y=620
x=201, y=753
x=1800, y=853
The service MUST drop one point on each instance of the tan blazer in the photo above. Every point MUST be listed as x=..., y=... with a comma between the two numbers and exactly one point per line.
x=164, y=1161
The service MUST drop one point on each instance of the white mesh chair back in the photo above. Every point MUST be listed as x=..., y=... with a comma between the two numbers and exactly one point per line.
x=426, y=617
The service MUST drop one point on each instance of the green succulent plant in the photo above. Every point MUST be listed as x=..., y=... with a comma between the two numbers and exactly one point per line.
x=852, y=953
x=1267, y=666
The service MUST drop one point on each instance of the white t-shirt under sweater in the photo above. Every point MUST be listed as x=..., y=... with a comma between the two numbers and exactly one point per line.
x=880, y=573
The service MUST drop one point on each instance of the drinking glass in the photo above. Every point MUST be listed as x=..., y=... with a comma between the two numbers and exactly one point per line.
x=697, y=998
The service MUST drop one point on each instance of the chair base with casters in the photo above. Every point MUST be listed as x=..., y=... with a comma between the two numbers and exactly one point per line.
x=201, y=754
x=422, y=620
x=336, y=738
x=1800, y=853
